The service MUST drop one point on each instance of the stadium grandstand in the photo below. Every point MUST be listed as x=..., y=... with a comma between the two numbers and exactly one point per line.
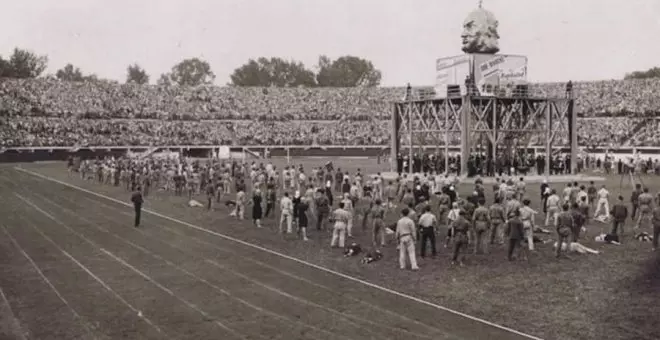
x=48, y=113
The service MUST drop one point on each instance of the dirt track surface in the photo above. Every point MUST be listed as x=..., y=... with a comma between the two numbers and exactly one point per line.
x=73, y=267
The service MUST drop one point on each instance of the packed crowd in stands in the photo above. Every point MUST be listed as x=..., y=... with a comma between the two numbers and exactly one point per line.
x=47, y=112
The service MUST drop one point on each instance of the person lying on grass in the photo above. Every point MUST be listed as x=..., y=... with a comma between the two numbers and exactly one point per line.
x=576, y=247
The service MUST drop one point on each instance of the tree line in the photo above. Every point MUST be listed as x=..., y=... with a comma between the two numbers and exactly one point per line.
x=345, y=71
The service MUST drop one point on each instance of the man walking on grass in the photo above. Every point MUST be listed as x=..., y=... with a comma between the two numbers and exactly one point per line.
x=137, y=200
x=406, y=236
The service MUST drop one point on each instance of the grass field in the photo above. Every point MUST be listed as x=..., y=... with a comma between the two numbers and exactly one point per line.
x=74, y=268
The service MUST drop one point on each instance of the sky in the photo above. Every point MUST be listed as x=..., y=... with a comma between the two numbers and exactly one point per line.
x=563, y=39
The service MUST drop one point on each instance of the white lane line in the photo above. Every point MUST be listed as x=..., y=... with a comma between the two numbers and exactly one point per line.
x=344, y=316
x=83, y=322
x=280, y=271
x=101, y=282
x=327, y=270
x=259, y=283
x=14, y=319
x=177, y=267
x=127, y=265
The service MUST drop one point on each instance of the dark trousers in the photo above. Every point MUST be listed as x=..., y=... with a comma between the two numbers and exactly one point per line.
x=321, y=217
x=616, y=224
x=575, y=233
x=656, y=234
x=635, y=207
x=494, y=230
x=513, y=244
x=561, y=239
x=458, y=245
x=428, y=234
x=138, y=212
x=269, y=208
x=479, y=240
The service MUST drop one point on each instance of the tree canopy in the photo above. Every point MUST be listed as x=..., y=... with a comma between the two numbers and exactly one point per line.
x=653, y=72
x=346, y=71
x=272, y=72
x=23, y=64
x=189, y=72
x=136, y=74
x=72, y=73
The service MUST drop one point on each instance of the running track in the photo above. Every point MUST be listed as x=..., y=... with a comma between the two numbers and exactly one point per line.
x=74, y=268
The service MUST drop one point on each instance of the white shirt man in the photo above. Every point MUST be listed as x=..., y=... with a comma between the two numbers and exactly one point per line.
x=286, y=176
x=286, y=213
x=239, y=210
x=302, y=180
x=348, y=207
x=406, y=236
x=340, y=218
x=581, y=194
x=603, y=202
x=553, y=207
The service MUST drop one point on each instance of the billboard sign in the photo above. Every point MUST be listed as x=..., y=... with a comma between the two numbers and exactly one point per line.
x=451, y=71
x=489, y=72
x=498, y=70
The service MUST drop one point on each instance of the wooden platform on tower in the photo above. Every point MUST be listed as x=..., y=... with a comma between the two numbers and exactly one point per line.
x=493, y=126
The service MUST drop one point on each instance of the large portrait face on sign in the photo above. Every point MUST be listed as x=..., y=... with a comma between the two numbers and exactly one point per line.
x=480, y=33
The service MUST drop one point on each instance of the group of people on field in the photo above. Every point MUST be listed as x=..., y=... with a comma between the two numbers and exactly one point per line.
x=427, y=206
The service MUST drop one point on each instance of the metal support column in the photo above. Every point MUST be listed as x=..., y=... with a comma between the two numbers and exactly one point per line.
x=548, y=137
x=395, y=143
x=410, y=137
x=573, y=132
x=466, y=106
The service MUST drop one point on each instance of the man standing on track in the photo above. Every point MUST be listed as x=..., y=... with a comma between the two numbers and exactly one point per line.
x=378, y=230
x=656, y=227
x=322, y=208
x=137, y=200
x=515, y=231
x=481, y=221
x=286, y=213
x=634, y=200
x=340, y=218
x=427, y=223
x=603, y=202
x=526, y=216
x=619, y=215
x=564, y=226
x=645, y=200
x=497, y=219
x=592, y=192
x=406, y=237
x=461, y=235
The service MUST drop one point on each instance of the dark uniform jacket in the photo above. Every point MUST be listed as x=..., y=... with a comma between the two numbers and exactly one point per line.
x=461, y=228
x=619, y=212
x=497, y=215
x=515, y=229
